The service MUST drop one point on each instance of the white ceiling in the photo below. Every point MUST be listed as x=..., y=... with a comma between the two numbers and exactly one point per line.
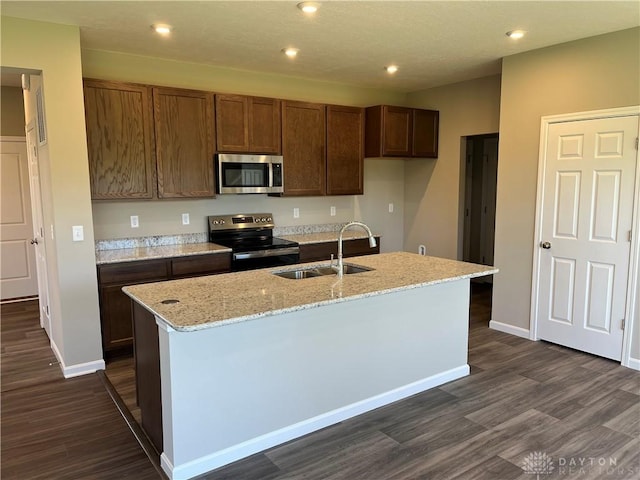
x=432, y=42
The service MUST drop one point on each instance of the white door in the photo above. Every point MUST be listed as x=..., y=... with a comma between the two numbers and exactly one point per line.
x=587, y=209
x=38, y=228
x=18, y=278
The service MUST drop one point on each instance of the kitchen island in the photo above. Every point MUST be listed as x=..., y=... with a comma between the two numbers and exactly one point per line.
x=245, y=361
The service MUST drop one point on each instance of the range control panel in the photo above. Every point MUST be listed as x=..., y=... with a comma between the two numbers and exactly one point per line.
x=240, y=221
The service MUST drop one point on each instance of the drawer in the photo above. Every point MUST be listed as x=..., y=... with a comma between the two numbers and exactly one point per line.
x=133, y=272
x=195, y=265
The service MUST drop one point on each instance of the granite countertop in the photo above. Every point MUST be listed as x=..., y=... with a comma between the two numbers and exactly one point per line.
x=217, y=300
x=322, y=237
x=163, y=251
x=117, y=255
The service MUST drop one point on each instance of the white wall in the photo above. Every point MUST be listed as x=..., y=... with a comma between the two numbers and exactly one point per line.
x=432, y=195
x=591, y=74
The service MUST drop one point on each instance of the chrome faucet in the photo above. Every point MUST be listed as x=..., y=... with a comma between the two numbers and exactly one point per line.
x=372, y=242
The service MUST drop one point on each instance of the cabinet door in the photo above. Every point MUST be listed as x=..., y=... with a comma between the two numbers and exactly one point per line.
x=196, y=265
x=396, y=131
x=184, y=142
x=264, y=125
x=303, y=148
x=115, y=310
x=345, y=150
x=119, y=140
x=232, y=123
x=425, y=133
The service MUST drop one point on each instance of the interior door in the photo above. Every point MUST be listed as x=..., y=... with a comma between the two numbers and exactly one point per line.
x=18, y=278
x=587, y=209
x=38, y=228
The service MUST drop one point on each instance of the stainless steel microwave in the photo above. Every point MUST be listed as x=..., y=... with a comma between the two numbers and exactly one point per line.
x=249, y=173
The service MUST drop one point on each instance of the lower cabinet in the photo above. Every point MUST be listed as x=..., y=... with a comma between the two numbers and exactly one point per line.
x=115, y=305
x=314, y=252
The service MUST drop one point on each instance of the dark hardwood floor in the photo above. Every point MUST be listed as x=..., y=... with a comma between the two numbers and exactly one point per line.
x=55, y=428
x=523, y=402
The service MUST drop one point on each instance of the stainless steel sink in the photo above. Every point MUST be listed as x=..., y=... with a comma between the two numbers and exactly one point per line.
x=320, y=270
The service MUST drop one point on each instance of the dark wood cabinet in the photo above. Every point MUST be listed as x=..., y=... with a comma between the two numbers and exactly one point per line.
x=315, y=252
x=115, y=305
x=345, y=150
x=425, y=133
x=120, y=142
x=248, y=124
x=388, y=131
x=303, y=148
x=184, y=128
x=401, y=132
x=195, y=265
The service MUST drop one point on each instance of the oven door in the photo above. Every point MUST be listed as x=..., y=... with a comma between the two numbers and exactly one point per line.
x=265, y=258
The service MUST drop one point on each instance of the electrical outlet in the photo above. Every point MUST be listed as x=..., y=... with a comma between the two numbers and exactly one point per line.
x=333, y=211
x=391, y=208
x=77, y=233
x=134, y=221
x=296, y=213
x=185, y=219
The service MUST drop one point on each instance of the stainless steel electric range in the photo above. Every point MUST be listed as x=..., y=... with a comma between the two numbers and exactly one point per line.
x=250, y=237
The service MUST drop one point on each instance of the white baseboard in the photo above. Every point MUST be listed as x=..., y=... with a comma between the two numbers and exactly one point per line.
x=633, y=363
x=510, y=329
x=258, y=444
x=78, y=369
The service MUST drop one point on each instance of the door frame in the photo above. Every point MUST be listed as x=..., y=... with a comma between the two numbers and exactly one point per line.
x=631, y=306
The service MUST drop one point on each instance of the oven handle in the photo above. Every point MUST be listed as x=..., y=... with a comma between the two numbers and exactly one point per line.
x=266, y=253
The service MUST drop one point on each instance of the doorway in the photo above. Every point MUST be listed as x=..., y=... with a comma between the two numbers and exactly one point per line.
x=481, y=174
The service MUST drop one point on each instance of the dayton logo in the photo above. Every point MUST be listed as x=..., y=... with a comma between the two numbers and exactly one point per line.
x=538, y=463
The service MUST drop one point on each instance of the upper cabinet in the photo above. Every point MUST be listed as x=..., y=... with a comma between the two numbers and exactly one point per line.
x=303, y=148
x=184, y=127
x=401, y=132
x=120, y=140
x=425, y=133
x=157, y=142
x=345, y=150
x=248, y=124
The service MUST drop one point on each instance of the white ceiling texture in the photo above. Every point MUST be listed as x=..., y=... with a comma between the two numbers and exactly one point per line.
x=432, y=42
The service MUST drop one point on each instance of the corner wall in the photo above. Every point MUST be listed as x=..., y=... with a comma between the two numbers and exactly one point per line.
x=432, y=186
x=55, y=51
x=590, y=74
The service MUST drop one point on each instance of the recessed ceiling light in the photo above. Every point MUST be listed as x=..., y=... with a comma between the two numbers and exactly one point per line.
x=290, y=52
x=391, y=69
x=515, y=34
x=162, y=28
x=309, y=7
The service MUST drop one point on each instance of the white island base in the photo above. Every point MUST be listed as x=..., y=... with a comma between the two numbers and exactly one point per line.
x=234, y=390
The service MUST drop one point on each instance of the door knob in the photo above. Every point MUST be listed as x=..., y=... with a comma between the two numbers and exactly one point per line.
x=545, y=245
x=34, y=241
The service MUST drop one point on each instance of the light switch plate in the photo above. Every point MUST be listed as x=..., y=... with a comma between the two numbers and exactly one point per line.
x=333, y=211
x=78, y=233
x=134, y=221
x=185, y=219
x=296, y=213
